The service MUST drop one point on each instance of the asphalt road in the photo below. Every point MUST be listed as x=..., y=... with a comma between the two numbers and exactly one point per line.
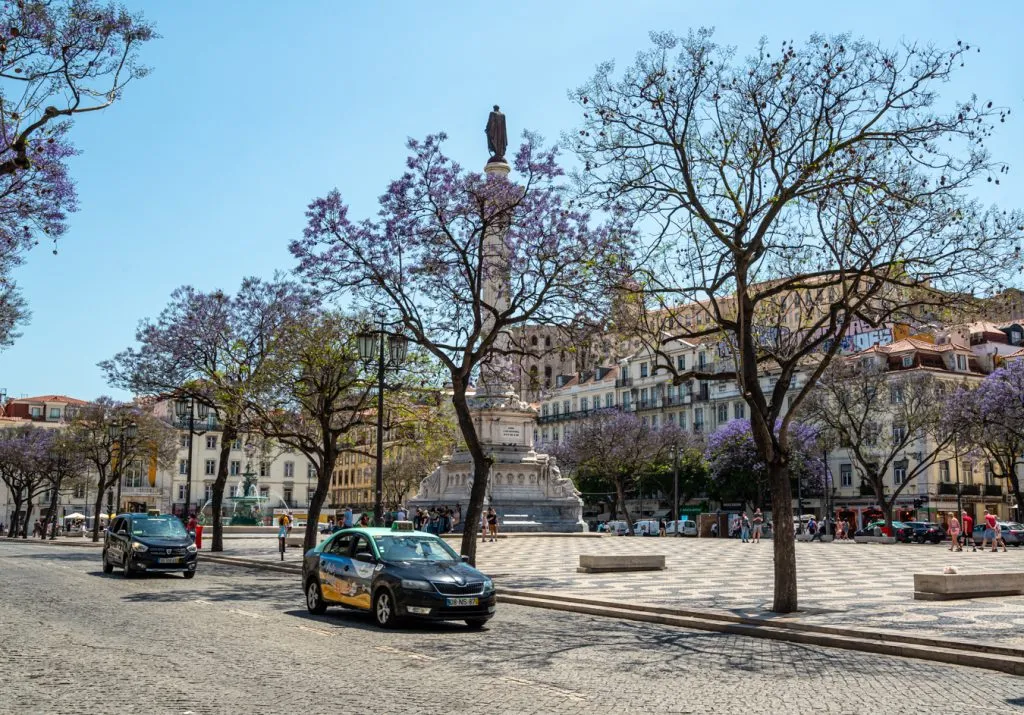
x=238, y=640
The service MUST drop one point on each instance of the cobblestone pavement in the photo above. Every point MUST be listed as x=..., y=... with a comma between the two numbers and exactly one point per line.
x=239, y=640
x=850, y=584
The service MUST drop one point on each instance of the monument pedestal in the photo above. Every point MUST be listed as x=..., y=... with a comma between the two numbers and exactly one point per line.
x=526, y=489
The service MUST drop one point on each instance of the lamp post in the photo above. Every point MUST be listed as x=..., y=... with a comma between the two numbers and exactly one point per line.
x=187, y=409
x=119, y=432
x=372, y=346
x=675, y=488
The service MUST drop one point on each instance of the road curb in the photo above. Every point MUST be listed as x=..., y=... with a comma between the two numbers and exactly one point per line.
x=867, y=642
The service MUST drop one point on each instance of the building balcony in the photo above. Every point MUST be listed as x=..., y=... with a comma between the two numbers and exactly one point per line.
x=866, y=490
x=947, y=488
x=624, y=382
x=675, y=400
x=993, y=490
x=970, y=490
x=141, y=492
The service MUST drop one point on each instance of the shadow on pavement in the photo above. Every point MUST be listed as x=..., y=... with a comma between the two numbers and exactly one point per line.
x=363, y=620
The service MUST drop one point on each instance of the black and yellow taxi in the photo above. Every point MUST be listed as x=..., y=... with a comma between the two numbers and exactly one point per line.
x=396, y=573
x=145, y=543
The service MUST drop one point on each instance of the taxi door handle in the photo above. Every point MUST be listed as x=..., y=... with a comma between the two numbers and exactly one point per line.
x=346, y=568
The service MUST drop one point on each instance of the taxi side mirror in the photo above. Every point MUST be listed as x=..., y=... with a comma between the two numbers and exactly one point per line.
x=465, y=559
x=122, y=532
x=365, y=557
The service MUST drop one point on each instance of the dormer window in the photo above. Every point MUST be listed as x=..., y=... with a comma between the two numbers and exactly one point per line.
x=908, y=361
x=961, y=363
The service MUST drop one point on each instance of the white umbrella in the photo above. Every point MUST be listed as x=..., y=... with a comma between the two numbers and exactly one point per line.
x=76, y=515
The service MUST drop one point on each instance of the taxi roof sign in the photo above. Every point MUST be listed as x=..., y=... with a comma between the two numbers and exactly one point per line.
x=402, y=526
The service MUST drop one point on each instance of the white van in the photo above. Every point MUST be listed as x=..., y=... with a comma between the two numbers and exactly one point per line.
x=618, y=528
x=684, y=527
x=646, y=527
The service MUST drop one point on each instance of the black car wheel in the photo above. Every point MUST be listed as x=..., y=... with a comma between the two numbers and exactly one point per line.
x=476, y=623
x=189, y=574
x=384, y=608
x=127, y=567
x=107, y=566
x=314, y=598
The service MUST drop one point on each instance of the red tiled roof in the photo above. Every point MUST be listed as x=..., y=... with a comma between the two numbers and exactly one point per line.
x=51, y=398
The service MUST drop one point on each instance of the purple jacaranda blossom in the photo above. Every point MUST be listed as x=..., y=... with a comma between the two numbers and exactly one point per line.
x=58, y=59
x=23, y=468
x=739, y=473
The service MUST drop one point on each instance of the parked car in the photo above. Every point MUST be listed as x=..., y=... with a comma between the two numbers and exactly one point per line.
x=869, y=529
x=1013, y=533
x=619, y=528
x=684, y=527
x=922, y=531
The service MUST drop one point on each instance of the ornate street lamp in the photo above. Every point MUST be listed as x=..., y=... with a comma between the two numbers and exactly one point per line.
x=186, y=410
x=372, y=346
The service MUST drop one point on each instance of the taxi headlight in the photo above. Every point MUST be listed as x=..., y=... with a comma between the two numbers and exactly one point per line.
x=137, y=546
x=488, y=585
x=191, y=548
x=413, y=584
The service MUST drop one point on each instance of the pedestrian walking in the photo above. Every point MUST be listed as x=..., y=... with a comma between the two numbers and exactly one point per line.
x=347, y=518
x=745, y=529
x=954, y=534
x=967, y=530
x=662, y=527
x=283, y=523
x=714, y=530
x=990, y=530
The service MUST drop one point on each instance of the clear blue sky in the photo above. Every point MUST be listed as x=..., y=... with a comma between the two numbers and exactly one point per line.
x=202, y=174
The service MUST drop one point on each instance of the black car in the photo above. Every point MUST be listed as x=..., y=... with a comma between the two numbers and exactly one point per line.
x=923, y=531
x=140, y=543
x=395, y=573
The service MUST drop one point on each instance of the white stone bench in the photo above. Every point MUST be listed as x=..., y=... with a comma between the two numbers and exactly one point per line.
x=947, y=587
x=621, y=562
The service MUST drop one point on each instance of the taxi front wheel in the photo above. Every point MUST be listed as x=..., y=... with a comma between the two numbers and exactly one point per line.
x=314, y=598
x=384, y=609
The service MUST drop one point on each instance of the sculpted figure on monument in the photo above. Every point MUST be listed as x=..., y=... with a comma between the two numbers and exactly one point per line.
x=497, y=138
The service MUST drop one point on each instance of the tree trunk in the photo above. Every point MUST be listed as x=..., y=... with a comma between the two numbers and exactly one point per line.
x=481, y=470
x=323, y=483
x=783, y=541
x=887, y=514
x=12, y=528
x=620, y=495
x=51, y=512
x=228, y=435
x=28, y=517
x=1016, y=489
x=99, y=505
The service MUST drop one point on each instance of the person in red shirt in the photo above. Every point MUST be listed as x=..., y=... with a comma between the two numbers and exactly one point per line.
x=992, y=531
x=968, y=529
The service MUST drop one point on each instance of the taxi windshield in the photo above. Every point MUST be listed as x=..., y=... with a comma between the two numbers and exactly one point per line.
x=414, y=548
x=161, y=528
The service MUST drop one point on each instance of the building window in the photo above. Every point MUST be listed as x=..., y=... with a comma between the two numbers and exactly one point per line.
x=133, y=476
x=908, y=361
x=310, y=471
x=208, y=492
x=289, y=470
x=182, y=466
x=78, y=492
x=288, y=497
x=234, y=491
x=584, y=404
x=237, y=444
x=264, y=469
x=681, y=363
x=899, y=433
x=961, y=363
x=544, y=410
x=36, y=412
x=846, y=475
x=723, y=413
x=609, y=399
x=739, y=410
x=896, y=394
x=944, y=471
x=547, y=376
x=211, y=441
x=309, y=495
x=265, y=492
x=643, y=397
x=654, y=422
x=183, y=440
x=967, y=469
x=643, y=369
x=235, y=468
x=671, y=418
x=899, y=472
x=544, y=435
x=555, y=409
x=990, y=477
x=54, y=413
x=181, y=492
x=626, y=400
x=565, y=406
x=702, y=361
x=698, y=419
x=211, y=467
x=682, y=420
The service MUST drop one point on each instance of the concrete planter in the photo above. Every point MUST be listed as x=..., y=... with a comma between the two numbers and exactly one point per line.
x=875, y=539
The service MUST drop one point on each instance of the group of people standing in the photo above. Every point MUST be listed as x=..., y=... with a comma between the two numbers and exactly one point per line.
x=438, y=520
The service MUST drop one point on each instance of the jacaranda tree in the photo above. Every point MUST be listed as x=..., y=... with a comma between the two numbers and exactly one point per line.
x=789, y=193
x=456, y=260
x=211, y=347
x=58, y=59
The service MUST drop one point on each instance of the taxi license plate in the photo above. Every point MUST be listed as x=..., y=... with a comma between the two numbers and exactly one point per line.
x=169, y=560
x=463, y=602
